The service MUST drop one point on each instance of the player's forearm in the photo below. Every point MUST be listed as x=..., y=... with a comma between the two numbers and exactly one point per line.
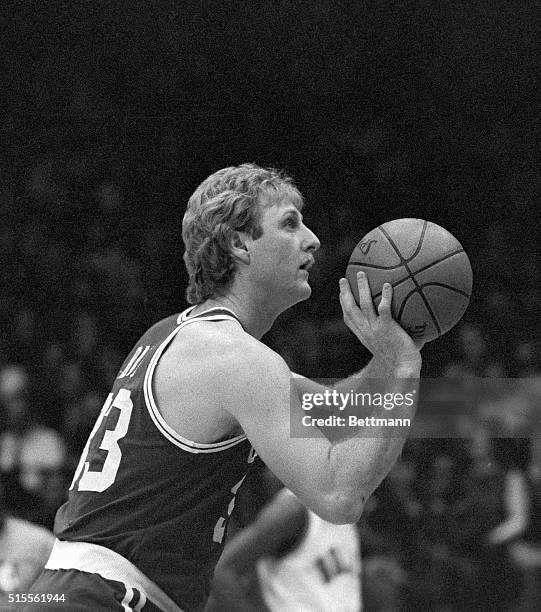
x=363, y=457
x=505, y=532
x=375, y=369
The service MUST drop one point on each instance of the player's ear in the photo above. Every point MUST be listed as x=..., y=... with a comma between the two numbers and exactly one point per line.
x=239, y=250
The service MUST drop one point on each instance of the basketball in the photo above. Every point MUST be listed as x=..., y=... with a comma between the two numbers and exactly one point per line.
x=428, y=269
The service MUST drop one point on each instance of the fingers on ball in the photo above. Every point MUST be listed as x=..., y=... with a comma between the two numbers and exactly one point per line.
x=346, y=298
x=384, y=308
x=365, y=297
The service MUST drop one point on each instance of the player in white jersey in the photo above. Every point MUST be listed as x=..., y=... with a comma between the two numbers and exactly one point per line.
x=289, y=560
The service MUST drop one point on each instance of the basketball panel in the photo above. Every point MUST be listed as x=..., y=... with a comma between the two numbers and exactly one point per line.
x=448, y=306
x=437, y=244
x=416, y=319
x=454, y=271
x=374, y=250
x=405, y=234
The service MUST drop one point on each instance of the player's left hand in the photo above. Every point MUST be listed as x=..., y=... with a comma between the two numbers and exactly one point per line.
x=379, y=332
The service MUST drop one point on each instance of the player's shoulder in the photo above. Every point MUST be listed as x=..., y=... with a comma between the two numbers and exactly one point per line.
x=256, y=357
x=243, y=356
x=227, y=341
x=223, y=347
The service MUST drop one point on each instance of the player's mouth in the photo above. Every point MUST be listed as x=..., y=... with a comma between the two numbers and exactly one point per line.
x=307, y=265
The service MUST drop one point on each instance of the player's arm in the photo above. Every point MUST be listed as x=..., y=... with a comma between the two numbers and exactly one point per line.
x=525, y=555
x=516, y=503
x=276, y=529
x=332, y=479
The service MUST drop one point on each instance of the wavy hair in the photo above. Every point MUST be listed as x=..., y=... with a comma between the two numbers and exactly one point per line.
x=228, y=200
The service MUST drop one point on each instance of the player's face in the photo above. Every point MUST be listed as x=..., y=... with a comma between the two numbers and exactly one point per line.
x=280, y=259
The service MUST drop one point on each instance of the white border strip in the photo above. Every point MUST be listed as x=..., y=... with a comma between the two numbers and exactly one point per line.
x=167, y=431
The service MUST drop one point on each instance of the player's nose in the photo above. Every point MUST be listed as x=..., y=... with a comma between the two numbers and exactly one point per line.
x=311, y=241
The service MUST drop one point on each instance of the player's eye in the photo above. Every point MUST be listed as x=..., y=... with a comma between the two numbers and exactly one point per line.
x=291, y=222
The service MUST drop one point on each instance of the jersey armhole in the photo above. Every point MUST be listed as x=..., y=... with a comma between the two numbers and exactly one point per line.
x=165, y=429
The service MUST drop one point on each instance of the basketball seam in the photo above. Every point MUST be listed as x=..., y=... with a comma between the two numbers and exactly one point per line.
x=450, y=287
x=402, y=280
x=418, y=287
x=375, y=266
x=437, y=261
x=423, y=232
x=404, y=302
x=407, y=297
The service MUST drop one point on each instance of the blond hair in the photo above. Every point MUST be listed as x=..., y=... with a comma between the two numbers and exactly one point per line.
x=228, y=200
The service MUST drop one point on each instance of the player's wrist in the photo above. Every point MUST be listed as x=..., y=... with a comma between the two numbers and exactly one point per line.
x=410, y=368
x=403, y=365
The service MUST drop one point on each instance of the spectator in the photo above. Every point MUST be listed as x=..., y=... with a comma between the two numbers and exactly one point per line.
x=475, y=357
x=41, y=475
x=527, y=359
x=15, y=408
x=526, y=552
x=24, y=550
x=384, y=584
x=492, y=512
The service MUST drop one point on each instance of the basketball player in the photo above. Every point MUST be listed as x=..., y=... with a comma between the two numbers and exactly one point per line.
x=289, y=560
x=152, y=495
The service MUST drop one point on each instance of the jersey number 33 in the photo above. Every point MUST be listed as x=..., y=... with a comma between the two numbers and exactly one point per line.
x=119, y=409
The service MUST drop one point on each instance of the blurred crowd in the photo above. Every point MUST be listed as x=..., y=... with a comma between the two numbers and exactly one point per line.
x=112, y=117
x=456, y=527
x=84, y=274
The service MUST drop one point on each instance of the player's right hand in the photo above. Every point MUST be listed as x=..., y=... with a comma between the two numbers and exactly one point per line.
x=378, y=332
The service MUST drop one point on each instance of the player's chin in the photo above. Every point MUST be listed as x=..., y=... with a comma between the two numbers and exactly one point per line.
x=304, y=291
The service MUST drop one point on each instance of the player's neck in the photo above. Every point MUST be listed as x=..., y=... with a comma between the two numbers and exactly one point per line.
x=255, y=315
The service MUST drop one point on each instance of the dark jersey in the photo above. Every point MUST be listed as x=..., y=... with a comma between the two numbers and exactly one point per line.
x=141, y=489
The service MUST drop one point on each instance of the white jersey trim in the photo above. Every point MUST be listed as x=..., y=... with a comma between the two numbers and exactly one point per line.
x=166, y=430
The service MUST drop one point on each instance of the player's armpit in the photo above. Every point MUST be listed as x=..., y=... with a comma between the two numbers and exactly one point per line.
x=517, y=510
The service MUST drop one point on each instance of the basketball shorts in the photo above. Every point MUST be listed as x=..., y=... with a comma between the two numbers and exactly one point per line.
x=82, y=577
x=70, y=590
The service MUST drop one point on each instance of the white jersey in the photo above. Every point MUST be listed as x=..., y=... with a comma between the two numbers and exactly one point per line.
x=321, y=574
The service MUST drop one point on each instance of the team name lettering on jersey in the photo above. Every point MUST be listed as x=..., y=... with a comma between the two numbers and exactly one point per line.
x=134, y=362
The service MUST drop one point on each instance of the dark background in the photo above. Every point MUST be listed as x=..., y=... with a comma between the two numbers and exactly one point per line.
x=113, y=112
